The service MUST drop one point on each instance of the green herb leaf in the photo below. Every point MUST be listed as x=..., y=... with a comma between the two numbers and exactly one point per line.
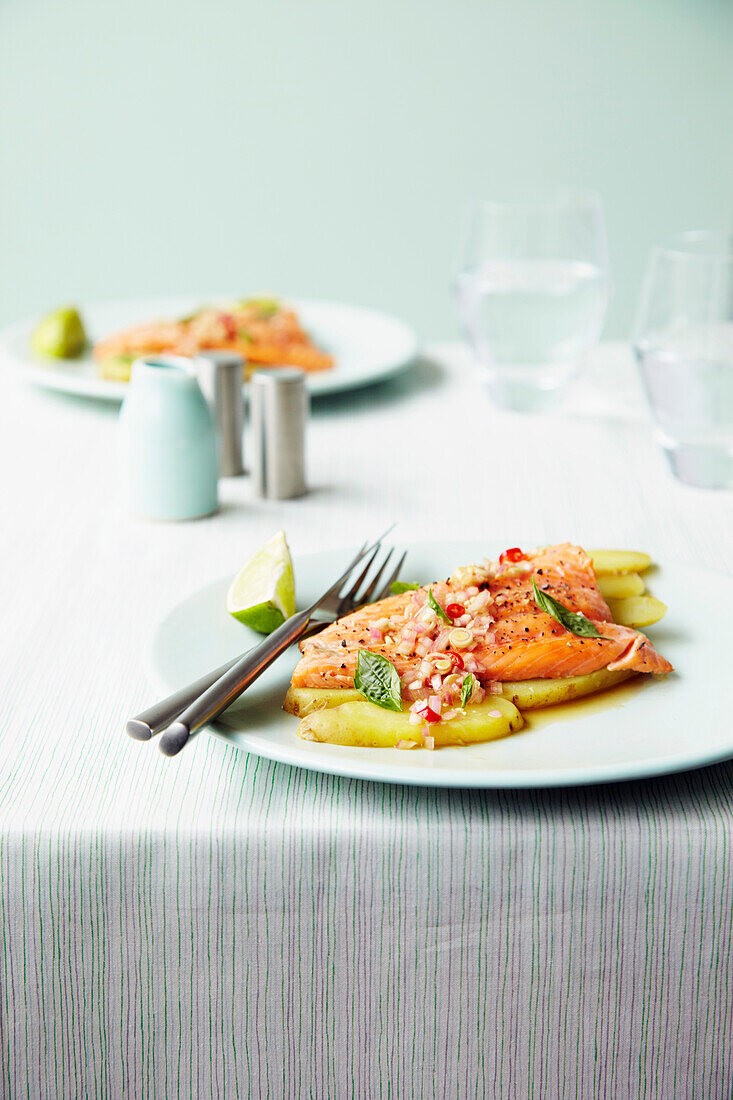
x=265, y=307
x=467, y=688
x=377, y=680
x=398, y=587
x=574, y=621
x=432, y=602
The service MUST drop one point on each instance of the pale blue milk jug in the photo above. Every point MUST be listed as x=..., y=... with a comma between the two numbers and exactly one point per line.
x=168, y=456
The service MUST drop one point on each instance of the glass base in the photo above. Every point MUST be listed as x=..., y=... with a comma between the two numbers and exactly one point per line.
x=703, y=467
x=522, y=395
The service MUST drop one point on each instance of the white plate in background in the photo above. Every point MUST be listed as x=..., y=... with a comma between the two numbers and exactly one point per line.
x=368, y=346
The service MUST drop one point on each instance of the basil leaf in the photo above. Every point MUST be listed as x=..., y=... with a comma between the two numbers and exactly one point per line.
x=467, y=688
x=432, y=602
x=398, y=587
x=574, y=621
x=377, y=680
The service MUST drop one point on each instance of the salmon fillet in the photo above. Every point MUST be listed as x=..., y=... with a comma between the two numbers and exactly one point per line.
x=274, y=337
x=511, y=639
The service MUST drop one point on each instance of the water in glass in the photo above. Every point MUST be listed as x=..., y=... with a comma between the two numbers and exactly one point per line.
x=688, y=380
x=684, y=349
x=533, y=292
x=531, y=322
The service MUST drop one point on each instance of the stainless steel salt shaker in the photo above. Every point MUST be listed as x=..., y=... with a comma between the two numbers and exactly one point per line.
x=278, y=411
x=220, y=375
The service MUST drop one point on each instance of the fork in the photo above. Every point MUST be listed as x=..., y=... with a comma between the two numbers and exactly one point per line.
x=245, y=671
x=155, y=718
x=335, y=603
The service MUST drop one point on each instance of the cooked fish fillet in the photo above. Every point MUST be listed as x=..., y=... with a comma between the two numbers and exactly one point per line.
x=510, y=637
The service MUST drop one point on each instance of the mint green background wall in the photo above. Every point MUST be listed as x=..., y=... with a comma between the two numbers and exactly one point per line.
x=328, y=147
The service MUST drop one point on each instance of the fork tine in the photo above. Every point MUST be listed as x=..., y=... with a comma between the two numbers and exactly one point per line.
x=333, y=590
x=389, y=531
x=367, y=596
x=348, y=597
x=386, y=587
x=364, y=549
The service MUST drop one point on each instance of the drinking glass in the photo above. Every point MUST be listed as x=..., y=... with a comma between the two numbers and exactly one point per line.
x=684, y=350
x=533, y=293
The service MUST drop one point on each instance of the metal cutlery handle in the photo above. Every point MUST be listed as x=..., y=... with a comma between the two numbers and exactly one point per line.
x=154, y=719
x=217, y=696
x=232, y=683
x=151, y=721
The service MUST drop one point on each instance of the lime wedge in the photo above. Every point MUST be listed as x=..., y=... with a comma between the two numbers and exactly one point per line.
x=60, y=335
x=262, y=595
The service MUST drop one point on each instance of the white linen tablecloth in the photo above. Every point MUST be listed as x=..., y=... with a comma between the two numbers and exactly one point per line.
x=221, y=926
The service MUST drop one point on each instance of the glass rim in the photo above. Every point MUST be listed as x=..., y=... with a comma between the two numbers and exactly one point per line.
x=681, y=246
x=542, y=198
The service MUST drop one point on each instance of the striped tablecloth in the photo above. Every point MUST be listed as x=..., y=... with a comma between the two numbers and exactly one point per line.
x=220, y=926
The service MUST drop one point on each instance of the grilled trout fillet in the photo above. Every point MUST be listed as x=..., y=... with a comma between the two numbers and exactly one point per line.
x=264, y=333
x=500, y=634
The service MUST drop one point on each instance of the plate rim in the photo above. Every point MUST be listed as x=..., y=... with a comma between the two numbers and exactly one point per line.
x=647, y=768
x=111, y=391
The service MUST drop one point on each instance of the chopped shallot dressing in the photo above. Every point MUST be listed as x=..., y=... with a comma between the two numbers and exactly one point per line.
x=435, y=693
x=445, y=648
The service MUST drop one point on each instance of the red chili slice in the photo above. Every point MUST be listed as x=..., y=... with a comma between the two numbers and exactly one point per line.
x=455, y=610
x=230, y=327
x=456, y=659
x=428, y=714
x=513, y=554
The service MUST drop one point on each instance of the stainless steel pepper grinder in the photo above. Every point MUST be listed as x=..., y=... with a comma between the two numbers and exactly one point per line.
x=221, y=375
x=278, y=412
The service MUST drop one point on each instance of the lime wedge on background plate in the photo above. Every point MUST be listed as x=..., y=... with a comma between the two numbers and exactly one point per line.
x=60, y=335
x=262, y=595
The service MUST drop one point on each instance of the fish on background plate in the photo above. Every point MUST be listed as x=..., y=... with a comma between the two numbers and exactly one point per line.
x=453, y=644
x=263, y=330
